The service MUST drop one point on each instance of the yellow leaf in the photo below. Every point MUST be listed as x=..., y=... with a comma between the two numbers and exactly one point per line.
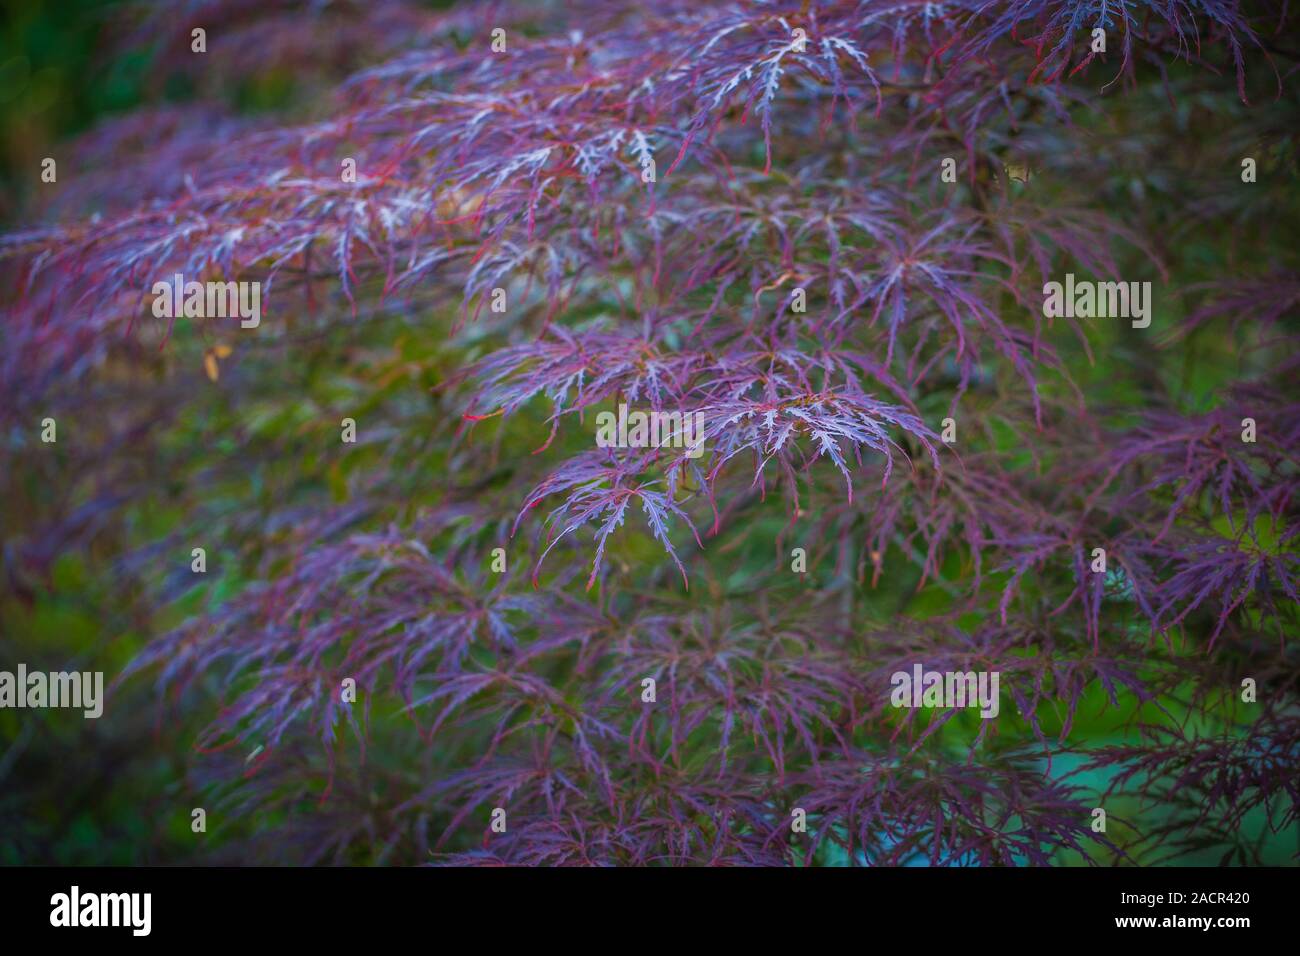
x=210, y=365
x=1018, y=172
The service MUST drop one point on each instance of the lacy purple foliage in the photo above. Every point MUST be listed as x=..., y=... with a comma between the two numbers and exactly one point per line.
x=786, y=164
